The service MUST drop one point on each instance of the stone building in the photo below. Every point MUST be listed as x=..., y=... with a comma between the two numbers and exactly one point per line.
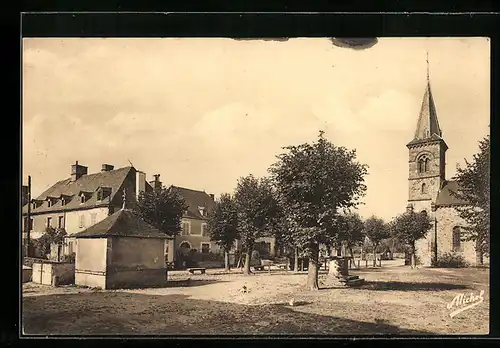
x=82, y=200
x=121, y=251
x=430, y=191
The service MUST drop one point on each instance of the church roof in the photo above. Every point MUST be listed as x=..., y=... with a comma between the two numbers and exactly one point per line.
x=445, y=196
x=123, y=223
x=428, y=128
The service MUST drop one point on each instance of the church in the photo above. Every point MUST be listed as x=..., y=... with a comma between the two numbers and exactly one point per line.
x=430, y=191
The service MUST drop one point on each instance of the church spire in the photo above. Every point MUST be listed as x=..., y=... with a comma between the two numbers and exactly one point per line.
x=427, y=125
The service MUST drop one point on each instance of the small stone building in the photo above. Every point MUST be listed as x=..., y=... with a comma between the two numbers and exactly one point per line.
x=121, y=251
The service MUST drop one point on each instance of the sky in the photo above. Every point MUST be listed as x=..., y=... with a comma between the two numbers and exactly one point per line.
x=204, y=112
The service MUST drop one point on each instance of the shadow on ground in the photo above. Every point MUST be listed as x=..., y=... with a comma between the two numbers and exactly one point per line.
x=191, y=282
x=119, y=313
x=409, y=286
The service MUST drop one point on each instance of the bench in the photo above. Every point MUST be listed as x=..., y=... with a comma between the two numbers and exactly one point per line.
x=201, y=270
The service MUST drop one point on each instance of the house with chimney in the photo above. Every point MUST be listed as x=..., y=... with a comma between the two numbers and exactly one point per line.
x=82, y=200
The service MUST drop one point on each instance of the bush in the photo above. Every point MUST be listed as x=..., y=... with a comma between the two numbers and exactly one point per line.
x=450, y=260
x=69, y=258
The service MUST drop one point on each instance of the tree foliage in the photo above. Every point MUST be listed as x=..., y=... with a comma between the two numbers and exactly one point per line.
x=256, y=206
x=474, y=188
x=162, y=208
x=52, y=236
x=314, y=181
x=352, y=232
x=223, y=222
x=410, y=227
x=376, y=230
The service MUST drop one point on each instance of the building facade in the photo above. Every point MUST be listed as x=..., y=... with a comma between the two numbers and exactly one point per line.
x=194, y=232
x=82, y=200
x=430, y=191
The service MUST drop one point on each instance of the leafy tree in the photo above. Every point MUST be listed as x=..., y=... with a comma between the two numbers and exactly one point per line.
x=474, y=188
x=314, y=181
x=52, y=236
x=223, y=224
x=352, y=233
x=256, y=206
x=163, y=208
x=376, y=230
x=410, y=227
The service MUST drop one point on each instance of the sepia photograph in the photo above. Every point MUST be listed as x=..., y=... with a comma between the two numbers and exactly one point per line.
x=221, y=187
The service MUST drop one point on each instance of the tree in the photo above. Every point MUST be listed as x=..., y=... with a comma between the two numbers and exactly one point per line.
x=163, y=208
x=410, y=227
x=314, y=181
x=256, y=206
x=474, y=188
x=223, y=224
x=52, y=236
x=376, y=230
x=352, y=233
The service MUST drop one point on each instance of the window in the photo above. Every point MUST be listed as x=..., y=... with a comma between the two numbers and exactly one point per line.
x=205, y=248
x=82, y=221
x=423, y=164
x=70, y=247
x=63, y=201
x=201, y=210
x=457, y=245
x=185, y=246
x=82, y=199
x=49, y=222
x=99, y=195
x=49, y=202
x=93, y=218
x=204, y=229
x=424, y=188
x=60, y=222
x=31, y=224
x=25, y=224
x=185, y=228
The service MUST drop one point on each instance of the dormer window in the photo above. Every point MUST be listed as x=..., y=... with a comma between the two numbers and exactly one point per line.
x=84, y=196
x=201, y=210
x=36, y=203
x=99, y=195
x=49, y=202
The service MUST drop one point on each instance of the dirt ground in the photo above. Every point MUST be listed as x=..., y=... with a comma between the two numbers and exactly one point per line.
x=394, y=300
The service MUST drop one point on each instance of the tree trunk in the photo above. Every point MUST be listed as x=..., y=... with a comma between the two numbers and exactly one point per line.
x=374, y=256
x=413, y=261
x=312, y=272
x=479, y=254
x=227, y=266
x=248, y=257
x=296, y=260
x=362, y=252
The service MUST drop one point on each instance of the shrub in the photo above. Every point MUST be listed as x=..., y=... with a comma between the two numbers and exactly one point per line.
x=450, y=260
x=69, y=258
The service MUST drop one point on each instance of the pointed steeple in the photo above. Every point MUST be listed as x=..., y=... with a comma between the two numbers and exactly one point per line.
x=427, y=125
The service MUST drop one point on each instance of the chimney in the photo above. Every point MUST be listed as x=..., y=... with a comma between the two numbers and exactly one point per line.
x=212, y=196
x=156, y=183
x=140, y=183
x=77, y=171
x=107, y=167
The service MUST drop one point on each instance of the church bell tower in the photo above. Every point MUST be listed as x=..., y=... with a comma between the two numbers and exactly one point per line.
x=427, y=160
